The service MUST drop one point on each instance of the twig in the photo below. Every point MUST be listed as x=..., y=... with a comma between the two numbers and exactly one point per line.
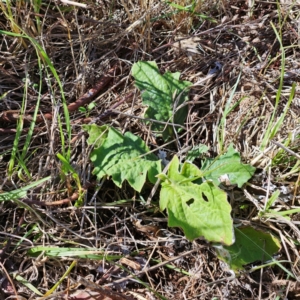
x=9, y=279
x=152, y=268
x=73, y=198
x=74, y=3
x=14, y=115
x=146, y=119
x=286, y=149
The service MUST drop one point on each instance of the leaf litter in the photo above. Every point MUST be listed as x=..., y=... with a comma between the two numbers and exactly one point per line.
x=104, y=42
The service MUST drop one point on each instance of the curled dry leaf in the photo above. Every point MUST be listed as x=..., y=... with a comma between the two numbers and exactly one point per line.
x=6, y=287
x=130, y=263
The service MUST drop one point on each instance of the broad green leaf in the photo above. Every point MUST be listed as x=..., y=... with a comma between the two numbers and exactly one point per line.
x=162, y=94
x=196, y=151
x=200, y=210
x=82, y=109
x=191, y=173
x=228, y=164
x=124, y=157
x=97, y=134
x=250, y=245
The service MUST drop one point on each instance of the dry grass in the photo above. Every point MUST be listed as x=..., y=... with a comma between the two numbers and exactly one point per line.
x=92, y=50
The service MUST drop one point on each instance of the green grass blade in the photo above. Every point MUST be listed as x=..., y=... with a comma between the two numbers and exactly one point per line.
x=87, y=253
x=73, y=264
x=222, y=126
x=45, y=58
x=26, y=283
x=272, y=128
x=21, y=192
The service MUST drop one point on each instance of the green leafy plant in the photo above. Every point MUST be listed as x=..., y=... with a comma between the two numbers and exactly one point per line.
x=191, y=195
x=67, y=168
x=97, y=134
x=251, y=245
x=88, y=109
x=191, y=9
x=196, y=151
x=228, y=164
x=123, y=157
x=162, y=94
x=199, y=209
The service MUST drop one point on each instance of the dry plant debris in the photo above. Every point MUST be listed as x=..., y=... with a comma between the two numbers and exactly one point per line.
x=57, y=56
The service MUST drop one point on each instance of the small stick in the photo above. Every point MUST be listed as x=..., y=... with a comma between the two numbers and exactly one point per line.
x=152, y=268
x=286, y=149
x=14, y=115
